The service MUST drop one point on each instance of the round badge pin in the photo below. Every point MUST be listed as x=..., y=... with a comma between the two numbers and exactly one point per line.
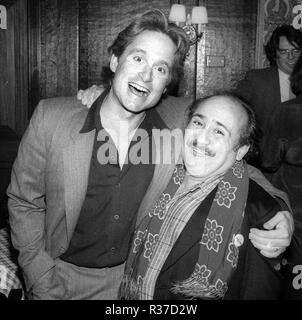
x=238, y=240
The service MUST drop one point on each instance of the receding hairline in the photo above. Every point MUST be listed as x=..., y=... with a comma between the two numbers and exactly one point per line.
x=233, y=102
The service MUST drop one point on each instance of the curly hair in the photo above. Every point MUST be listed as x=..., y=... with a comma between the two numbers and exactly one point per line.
x=293, y=36
x=151, y=20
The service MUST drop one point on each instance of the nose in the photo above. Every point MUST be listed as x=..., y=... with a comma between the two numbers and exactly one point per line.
x=290, y=55
x=146, y=74
x=202, y=137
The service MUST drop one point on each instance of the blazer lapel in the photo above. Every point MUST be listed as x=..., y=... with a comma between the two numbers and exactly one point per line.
x=275, y=94
x=166, y=155
x=77, y=158
x=161, y=177
x=191, y=235
x=166, y=159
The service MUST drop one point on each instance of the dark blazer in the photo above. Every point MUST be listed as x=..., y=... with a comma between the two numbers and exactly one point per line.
x=261, y=89
x=283, y=150
x=255, y=277
x=282, y=159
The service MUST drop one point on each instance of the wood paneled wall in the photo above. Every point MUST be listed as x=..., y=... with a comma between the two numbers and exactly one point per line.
x=75, y=36
x=231, y=33
x=14, y=68
x=100, y=22
x=68, y=41
x=57, y=46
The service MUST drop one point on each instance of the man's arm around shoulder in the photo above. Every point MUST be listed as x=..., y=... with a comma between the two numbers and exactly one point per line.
x=279, y=228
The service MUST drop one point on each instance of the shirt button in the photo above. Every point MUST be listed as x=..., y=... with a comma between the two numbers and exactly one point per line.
x=284, y=262
x=118, y=185
x=112, y=250
x=116, y=216
x=277, y=266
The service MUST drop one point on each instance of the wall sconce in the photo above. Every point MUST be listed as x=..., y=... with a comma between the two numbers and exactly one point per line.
x=199, y=17
x=3, y=17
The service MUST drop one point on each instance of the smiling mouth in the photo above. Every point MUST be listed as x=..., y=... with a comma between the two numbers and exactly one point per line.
x=201, y=152
x=138, y=90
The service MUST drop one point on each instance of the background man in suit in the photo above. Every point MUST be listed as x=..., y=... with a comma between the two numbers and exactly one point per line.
x=264, y=89
x=72, y=215
x=282, y=161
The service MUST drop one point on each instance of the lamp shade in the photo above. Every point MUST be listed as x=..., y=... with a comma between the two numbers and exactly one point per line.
x=199, y=15
x=178, y=13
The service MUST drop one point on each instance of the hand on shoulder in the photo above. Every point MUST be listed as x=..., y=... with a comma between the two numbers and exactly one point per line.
x=88, y=96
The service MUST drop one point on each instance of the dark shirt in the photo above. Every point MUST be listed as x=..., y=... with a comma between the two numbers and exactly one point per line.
x=108, y=215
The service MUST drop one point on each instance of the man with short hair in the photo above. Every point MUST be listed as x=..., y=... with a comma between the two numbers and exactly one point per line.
x=191, y=242
x=72, y=215
x=264, y=89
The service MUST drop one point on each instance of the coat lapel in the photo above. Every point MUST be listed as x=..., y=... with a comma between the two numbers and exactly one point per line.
x=167, y=156
x=77, y=158
x=161, y=178
x=275, y=94
x=191, y=235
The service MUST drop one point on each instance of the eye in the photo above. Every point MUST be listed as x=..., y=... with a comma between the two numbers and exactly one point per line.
x=196, y=122
x=219, y=132
x=161, y=70
x=138, y=59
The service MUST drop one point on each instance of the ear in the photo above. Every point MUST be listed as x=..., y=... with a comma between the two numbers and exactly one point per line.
x=241, y=152
x=113, y=63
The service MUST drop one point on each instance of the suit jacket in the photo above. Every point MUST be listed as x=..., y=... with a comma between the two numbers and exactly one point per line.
x=49, y=180
x=50, y=175
x=255, y=277
x=261, y=89
x=157, y=186
x=283, y=160
x=283, y=150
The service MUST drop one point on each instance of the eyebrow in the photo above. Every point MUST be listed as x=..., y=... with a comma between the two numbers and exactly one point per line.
x=144, y=52
x=217, y=122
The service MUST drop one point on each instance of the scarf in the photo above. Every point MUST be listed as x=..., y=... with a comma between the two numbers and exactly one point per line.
x=158, y=231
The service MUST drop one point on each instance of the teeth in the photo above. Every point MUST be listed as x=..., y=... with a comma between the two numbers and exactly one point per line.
x=139, y=88
x=200, y=153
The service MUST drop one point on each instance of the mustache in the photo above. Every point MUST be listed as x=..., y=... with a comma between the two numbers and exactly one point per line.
x=200, y=150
